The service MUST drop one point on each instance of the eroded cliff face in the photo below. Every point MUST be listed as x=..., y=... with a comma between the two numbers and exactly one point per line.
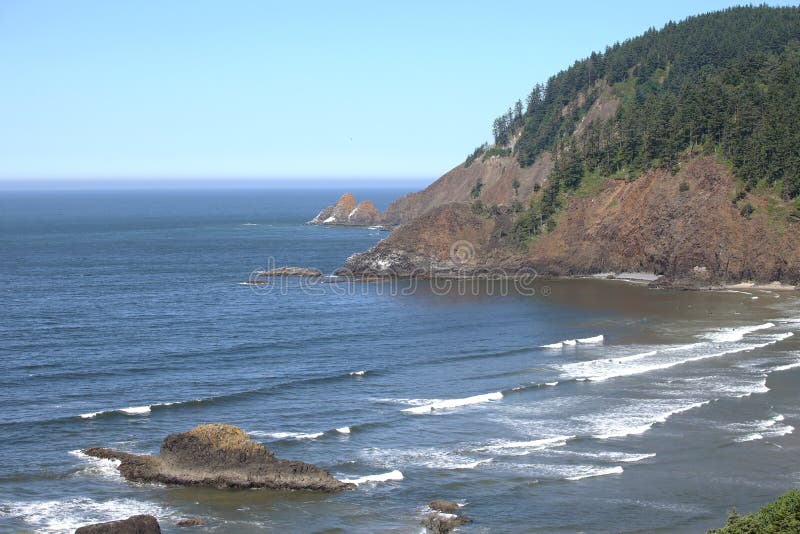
x=649, y=224
x=496, y=174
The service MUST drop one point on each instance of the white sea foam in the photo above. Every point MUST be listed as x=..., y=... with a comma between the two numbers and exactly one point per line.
x=522, y=448
x=136, y=410
x=383, y=477
x=618, y=425
x=343, y=430
x=454, y=403
x=571, y=342
x=98, y=467
x=286, y=435
x=604, y=456
x=57, y=517
x=786, y=367
x=430, y=458
x=551, y=384
x=730, y=335
x=590, y=471
x=767, y=428
x=358, y=373
x=604, y=369
x=613, y=456
x=130, y=410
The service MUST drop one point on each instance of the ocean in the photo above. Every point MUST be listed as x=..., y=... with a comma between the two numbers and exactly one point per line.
x=571, y=406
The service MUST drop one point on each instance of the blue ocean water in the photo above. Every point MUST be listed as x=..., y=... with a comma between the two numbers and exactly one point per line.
x=124, y=319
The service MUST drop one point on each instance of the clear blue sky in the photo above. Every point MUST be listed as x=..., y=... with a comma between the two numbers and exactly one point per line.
x=127, y=89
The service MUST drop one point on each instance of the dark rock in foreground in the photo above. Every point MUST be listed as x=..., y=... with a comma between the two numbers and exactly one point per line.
x=290, y=271
x=220, y=456
x=137, y=524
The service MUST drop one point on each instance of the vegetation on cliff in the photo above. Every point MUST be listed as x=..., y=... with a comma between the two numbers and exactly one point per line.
x=724, y=84
x=782, y=515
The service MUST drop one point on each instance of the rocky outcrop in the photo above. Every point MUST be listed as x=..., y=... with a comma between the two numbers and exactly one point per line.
x=497, y=176
x=290, y=271
x=445, y=507
x=502, y=182
x=347, y=213
x=137, y=524
x=221, y=456
x=452, y=241
x=444, y=517
x=683, y=227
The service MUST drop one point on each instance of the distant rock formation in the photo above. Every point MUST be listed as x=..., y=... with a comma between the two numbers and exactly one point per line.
x=347, y=213
x=220, y=456
x=290, y=271
x=137, y=524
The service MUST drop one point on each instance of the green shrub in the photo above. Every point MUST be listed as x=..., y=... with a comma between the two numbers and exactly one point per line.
x=684, y=186
x=780, y=516
x=475, y=155
x=496, y=151
x=476, y=189
x=478, y=208
x=747, y=210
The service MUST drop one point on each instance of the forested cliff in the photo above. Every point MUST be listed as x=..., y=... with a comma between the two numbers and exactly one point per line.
x=676, y=152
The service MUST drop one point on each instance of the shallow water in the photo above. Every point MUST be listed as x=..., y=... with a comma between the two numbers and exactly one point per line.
x=125, y=320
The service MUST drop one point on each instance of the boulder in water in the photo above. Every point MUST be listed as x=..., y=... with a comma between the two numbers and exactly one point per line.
x=220, y=456
x=137, y=524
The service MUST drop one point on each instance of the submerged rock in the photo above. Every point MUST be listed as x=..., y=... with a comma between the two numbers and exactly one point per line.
x=190, y=522
x=137, y=524
x=446, y=507
x=444, y=518
x=220, y=456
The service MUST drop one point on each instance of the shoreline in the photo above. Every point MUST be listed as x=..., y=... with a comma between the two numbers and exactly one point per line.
x=650, y=280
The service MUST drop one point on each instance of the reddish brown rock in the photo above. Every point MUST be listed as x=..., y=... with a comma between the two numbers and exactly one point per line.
x=650, y=224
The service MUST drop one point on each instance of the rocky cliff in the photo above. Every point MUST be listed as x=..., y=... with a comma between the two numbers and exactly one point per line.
x=685, y=227
x=675, y=153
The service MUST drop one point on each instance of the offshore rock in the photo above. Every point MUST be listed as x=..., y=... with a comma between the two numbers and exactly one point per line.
x=347, y=213
x=290, y=271
x=220, y=456
x=444, y=518
x=137, y=524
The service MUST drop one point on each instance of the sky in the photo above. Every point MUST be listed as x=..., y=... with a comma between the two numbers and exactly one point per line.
x=300, y=90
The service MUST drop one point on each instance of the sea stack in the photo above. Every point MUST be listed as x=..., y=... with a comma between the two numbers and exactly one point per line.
x=220, y=456
x=346, y=212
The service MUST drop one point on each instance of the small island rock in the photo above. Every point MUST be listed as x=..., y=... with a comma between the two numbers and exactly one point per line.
x=347, y=213
x=220, y=456
x=290, y=271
